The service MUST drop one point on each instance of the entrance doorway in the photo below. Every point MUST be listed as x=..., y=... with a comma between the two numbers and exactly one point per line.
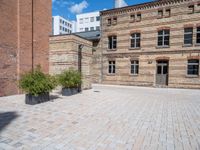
x=162, y=72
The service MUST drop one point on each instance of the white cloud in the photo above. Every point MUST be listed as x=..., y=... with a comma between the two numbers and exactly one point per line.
x=78, y=8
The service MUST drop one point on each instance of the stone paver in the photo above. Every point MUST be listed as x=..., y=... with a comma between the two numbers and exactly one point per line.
x=104, y=118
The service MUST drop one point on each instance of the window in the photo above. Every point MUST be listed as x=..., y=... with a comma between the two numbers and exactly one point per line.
x=109, y=21
x=91, y=28
x=86, y=29
x=60, y=20
x=112, y=42
x=168, y=12
x=111, y=67
x=114, y=20
x=60, y=27
x=163, y=38
x=188, y=36
x=86, y=20
x=198, y=35
x=134, y=67
x=139, y=17
x=63, y=29
x=97, y=27
x=81, y=29
x=98, y=18
x=132, y=17
x=135, y=40
x=160, y=13
x=91, y=19
x=191, y=9
x=81, y=21
x=193, y=67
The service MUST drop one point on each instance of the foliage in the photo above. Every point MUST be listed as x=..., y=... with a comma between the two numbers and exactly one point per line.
x=69, y=79
x=36, y=82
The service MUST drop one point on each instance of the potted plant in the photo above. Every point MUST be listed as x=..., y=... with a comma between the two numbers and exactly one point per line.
x=37, y=85
x=70, y=80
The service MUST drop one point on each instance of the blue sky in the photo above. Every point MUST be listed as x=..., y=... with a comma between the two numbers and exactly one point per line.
x=69, y=8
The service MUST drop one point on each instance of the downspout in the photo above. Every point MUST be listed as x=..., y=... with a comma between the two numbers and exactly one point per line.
x=101, y=46
x=32, y=38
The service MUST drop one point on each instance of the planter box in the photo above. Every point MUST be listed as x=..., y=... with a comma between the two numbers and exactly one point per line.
x=32, y=100
x=69, y=91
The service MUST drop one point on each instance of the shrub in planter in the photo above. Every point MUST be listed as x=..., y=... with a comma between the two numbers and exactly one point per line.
x=37, y=85
x=70, y=81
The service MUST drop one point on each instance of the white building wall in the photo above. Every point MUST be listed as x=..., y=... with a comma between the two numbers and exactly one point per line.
x=61, y=25
x=88, y=21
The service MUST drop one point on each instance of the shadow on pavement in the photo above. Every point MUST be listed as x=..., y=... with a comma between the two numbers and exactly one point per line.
x=6, y=118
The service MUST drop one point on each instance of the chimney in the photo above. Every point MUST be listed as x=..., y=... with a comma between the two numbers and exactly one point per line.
x=120, y=3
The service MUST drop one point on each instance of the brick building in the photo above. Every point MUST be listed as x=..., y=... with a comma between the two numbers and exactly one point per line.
x=152, y=44
x=71, y=51
x=25, y=26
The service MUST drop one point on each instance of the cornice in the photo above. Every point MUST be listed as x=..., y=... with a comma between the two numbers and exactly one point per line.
x=140, y=7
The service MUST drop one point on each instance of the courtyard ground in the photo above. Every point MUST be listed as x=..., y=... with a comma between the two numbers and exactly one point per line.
x=104, y=118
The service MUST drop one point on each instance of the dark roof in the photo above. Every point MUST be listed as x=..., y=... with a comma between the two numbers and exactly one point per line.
x=89, y=35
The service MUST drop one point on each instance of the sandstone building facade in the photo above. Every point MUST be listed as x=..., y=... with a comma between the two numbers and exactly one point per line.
x=152, y=44
x=71, y=51
x=25, y=26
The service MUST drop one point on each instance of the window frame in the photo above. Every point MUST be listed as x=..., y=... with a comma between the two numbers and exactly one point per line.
x=113, y=42
x=198, y=35
x=163, y=36
x=134, y=70
x=186, y=34
x=111, y=67
x=133, y=38
x=159, y=16
x=139, y=17
x=193, y=64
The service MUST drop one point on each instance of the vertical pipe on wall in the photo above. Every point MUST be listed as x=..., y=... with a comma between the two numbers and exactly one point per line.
x=32, y=37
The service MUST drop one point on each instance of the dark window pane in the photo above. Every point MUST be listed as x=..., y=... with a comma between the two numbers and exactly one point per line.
x=160, y=39
x=193, y=61
x=165, y=69
x=160, y=32
x=166, y=31
x=198, y=37
x=159, y=70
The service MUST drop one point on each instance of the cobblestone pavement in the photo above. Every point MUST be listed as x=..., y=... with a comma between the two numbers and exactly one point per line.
x=104, y=118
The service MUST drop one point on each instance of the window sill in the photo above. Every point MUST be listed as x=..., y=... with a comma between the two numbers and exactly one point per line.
x=192, y=76
x=187, y=45
x=133, y=75
x=111, y=49
x=159, y=17
x=137, y=48
x=197, y=44
x=162, y=47
x=138, y=21
x=110, y=74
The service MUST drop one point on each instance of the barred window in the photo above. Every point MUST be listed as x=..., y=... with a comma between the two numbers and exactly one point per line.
x=188, y=36
x=135, y=40
x=163, y=37
x=134, y=67
x=111, y=67
x=193, y=67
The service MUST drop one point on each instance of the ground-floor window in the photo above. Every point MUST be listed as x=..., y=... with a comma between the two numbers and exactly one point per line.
x=134, y=67
x=193, y=67
x=111, y=67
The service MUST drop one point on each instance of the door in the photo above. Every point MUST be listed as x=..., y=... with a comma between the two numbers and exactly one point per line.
x=162, y=72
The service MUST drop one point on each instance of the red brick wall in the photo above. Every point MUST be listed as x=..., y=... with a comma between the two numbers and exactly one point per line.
x=16, y=40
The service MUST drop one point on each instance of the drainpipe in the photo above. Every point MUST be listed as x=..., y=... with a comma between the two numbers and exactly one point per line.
x=32, y=49
x=80, y=47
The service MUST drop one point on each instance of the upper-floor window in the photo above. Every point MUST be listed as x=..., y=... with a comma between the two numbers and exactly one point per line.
x=81, y=21
x=135, y=40
x=134, y=67
x=91, y=19
x=91, y=28
x=109, y=21
x=163, y=38
x=188, y=36
x=86, y=29
x=97, y=27
x=168, y=12
x=60, y=20
x=191, y=8
x=198, y=35
x=111, y=67
x=98, y=18
x=114, y=20
x=112, y=42
x=139, y=17
x=132, y=17
x=160, y=13
x=193, y=67
x=60, y=27
x=86, y=20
